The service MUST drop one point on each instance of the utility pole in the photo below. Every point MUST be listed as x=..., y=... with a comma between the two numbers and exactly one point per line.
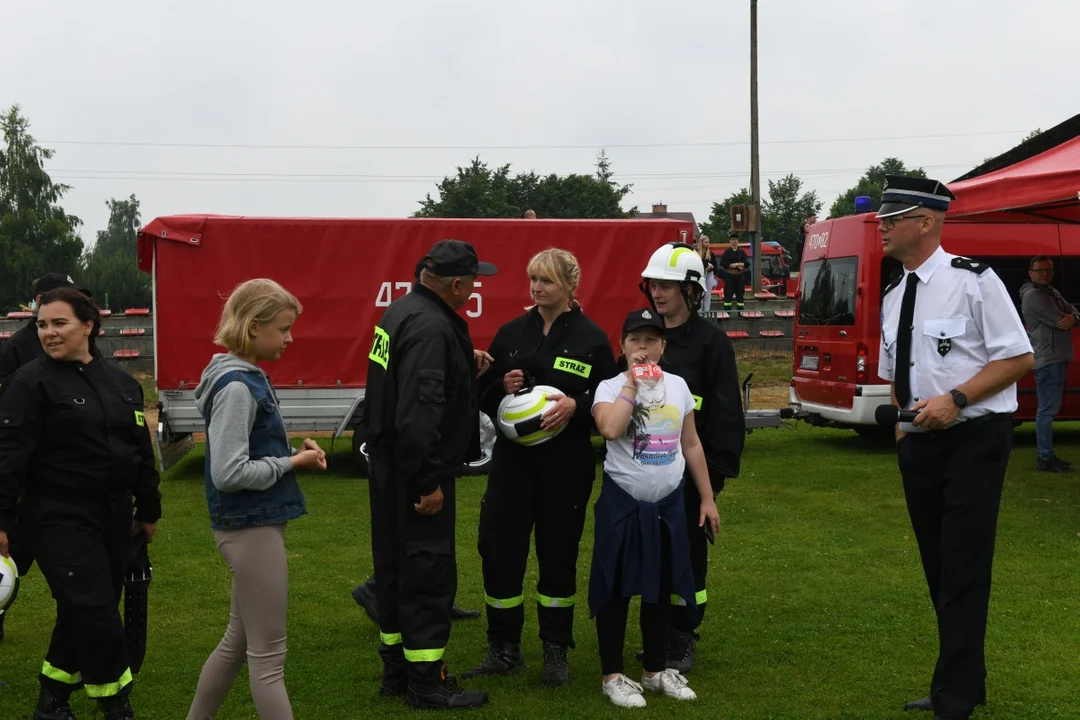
x=755, y=179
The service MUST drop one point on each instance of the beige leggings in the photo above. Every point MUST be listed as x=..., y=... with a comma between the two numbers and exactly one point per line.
x=256, y=631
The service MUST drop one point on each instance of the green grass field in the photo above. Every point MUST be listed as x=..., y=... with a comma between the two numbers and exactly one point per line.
x=818, y=607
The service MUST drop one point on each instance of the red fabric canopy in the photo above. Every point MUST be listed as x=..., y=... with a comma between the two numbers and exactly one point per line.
x=1044, y=187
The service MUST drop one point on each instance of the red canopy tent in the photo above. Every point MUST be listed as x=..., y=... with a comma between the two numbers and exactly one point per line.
x=1037, y=181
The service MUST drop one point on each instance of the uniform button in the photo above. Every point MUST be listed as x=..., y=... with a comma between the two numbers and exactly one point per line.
x=6, y=422
x=912, y=363
x=942, y=333
x=916, y=399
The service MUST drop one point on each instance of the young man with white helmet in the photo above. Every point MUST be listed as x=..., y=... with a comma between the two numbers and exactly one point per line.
x=701, y=353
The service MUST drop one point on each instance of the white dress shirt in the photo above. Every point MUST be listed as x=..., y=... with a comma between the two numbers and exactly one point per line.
x=963, y=321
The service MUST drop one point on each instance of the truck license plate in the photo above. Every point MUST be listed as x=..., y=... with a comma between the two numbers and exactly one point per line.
x=809, y=362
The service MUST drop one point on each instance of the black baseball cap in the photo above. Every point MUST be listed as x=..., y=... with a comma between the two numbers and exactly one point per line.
x=455, y=258
x=642, y=318
x=52, y=281
x=732, y=234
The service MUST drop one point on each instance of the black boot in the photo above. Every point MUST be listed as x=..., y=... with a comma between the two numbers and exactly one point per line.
x=443, y=693
x=556, y=668
x=395, y=674
x=364, y=595
x=501, y=659
x=681, y=651
x=2, y=616
x=117, y=707
x=53, y=705
x=457, y=613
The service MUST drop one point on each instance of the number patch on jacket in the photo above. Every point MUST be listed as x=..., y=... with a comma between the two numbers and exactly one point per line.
x=140, y=419
x=573, y=367
x=380, y=348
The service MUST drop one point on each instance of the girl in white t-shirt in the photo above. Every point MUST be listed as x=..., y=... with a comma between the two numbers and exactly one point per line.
x=640, y=545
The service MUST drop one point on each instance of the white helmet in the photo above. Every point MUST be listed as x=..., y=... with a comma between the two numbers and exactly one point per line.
x=520, y=415
x=677, y=262
x=9, y=582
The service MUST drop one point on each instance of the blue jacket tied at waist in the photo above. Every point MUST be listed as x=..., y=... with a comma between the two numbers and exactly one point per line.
x=628, y=531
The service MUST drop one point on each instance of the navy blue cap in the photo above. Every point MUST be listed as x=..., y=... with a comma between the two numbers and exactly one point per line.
x=901, y=194
x=642, y=318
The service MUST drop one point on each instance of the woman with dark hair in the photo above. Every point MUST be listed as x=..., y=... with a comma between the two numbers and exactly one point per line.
x=72, y=425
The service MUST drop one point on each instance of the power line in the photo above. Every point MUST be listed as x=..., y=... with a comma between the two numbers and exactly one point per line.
x=729, y=143
x=216, y=176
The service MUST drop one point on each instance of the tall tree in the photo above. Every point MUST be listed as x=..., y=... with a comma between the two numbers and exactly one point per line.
x=477, y=191
x=36, y=235
x=786, y=209
x=112, y=272
x=870, y=184
x=719, y=222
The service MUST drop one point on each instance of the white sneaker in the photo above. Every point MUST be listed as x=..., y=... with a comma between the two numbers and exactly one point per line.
x=624, y=692
x=669, y=682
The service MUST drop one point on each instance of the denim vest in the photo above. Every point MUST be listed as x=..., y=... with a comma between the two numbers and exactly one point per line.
x=280, y=502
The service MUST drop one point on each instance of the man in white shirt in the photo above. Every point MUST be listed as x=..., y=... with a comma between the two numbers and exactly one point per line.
x=953, y=346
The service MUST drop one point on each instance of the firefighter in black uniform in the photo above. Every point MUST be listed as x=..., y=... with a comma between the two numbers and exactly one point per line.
x=20, y=349
x=72, y=424
x=421, y=419
x=546, y=485
x=701, y=354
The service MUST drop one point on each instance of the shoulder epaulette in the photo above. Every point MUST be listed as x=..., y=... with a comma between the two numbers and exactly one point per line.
x=892, y=285
x=968, y=264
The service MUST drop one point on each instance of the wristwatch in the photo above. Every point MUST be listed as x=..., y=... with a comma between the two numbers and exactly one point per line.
x=959, y=398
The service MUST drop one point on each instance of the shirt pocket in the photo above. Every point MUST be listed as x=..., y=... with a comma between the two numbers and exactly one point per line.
x=942, y=338
x=570, y=372
x=431, y=386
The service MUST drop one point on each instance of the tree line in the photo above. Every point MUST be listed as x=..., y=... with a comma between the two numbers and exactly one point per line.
x=38, y=236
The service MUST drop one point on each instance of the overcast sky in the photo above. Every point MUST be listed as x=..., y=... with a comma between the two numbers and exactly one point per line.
x=417, y=87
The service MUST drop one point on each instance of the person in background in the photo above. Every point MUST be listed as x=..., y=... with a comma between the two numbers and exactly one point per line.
x=733, y=262
x=252, y=493
x=74, y=441
x=545, y=486
x=640, y=545
x=708, y=259
x=21, y=348
x=530, y=214
x=800, y=241
x=1050, y=320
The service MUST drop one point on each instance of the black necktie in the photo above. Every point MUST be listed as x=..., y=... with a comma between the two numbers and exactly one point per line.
x=903, y=341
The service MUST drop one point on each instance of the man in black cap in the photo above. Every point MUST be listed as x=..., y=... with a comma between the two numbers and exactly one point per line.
x=21, y=348
x=733, y=262
x=421, y=418
x=953, y=346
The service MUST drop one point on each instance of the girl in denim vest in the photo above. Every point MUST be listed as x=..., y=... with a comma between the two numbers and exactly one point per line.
x=251, y=492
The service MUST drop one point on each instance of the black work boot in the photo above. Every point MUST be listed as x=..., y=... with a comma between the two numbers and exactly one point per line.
x=395, y=674
x=117, y=707
x=459, y=613
x=364, y=595
x=53, y=705
x=501, y=659
x=556, y=668
x=443, y=693
x=681, y=651
x=3, y=615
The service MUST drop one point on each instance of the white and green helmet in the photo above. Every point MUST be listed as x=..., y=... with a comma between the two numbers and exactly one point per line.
x=9, y=582
x=677, y=262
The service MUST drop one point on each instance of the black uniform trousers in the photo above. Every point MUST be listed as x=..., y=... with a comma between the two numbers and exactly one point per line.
x=734, y=289
x=685, y=618
x=547, y=486
x=953, y=481
x=415, y=577
x=82, y=548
